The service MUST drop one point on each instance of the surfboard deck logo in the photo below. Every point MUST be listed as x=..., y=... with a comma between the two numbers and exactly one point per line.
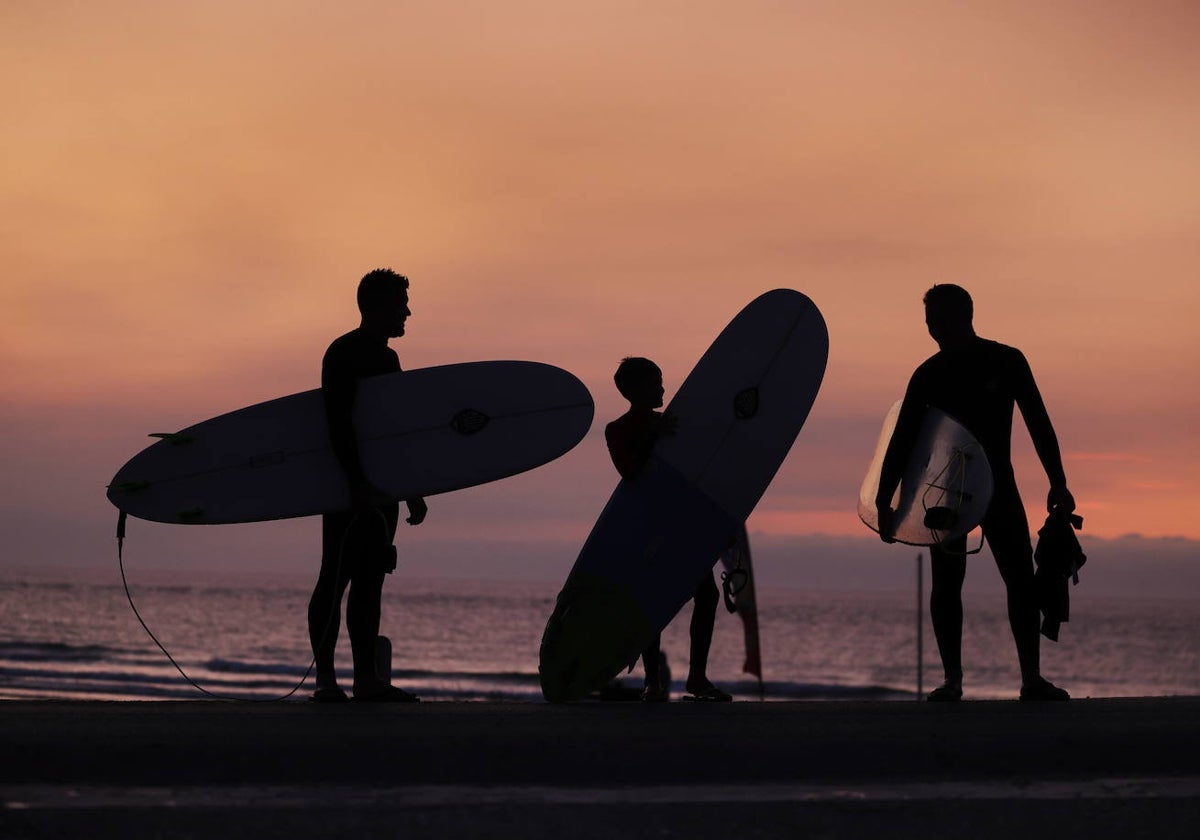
x=740, y=410
x=946, y=486
x=421, y=432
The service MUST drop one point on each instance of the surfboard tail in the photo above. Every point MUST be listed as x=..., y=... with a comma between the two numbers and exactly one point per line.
x=596, y=631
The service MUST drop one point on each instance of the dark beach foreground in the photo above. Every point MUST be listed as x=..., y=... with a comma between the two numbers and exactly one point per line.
x=1088, y=768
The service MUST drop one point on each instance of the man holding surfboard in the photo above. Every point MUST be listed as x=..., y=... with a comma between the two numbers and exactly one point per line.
x=356, y=545
x=977, y=382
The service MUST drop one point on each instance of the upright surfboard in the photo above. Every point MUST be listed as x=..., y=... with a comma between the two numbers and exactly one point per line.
x=421, y=432
x=946, y=487
x=739, y=412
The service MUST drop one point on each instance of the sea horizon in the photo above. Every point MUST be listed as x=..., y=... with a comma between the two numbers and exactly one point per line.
x=70, y=633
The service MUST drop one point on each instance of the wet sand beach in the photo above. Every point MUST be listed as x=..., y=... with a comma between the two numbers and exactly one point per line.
x=1088, y=768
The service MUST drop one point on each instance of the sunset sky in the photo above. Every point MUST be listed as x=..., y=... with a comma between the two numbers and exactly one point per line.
x=191, y=191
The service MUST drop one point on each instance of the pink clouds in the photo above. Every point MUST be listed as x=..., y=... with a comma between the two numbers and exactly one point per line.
x=191, y=195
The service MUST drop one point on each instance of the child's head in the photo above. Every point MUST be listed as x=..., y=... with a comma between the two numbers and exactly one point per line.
x=640, y=381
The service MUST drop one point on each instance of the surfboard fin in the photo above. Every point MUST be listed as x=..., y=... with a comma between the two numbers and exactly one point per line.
x=129, y=486
x=940, y=518
x=173, y=438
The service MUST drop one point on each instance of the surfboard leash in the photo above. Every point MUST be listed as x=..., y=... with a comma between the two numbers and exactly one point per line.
x=956, y=467
x=121, y=519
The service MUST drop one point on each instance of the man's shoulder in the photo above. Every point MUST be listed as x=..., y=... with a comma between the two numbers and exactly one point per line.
x=991, y=345
x=344, y=345
x=630, y=422
x=1005, y=353
x=976, y=348
x=618, y=425
x=356, y=349
x=931, y=367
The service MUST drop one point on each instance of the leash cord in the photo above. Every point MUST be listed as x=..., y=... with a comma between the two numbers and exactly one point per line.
x=312, y=663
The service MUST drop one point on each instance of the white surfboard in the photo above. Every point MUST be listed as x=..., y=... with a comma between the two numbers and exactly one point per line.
x=946, y=487
x=421, y=432
x=739, y=412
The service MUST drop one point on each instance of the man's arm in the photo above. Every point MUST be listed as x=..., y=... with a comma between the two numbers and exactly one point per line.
x=417, y=509
x=904, y=438
x=1045, y=441
x=338, y=390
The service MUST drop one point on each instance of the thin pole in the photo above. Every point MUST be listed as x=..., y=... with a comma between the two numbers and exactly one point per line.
x=920, y=628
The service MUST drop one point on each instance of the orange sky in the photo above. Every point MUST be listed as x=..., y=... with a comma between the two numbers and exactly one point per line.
x=191, y=191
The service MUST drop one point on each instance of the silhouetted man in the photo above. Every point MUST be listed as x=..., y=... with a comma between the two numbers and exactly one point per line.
x=977, y=382
x=356, y=545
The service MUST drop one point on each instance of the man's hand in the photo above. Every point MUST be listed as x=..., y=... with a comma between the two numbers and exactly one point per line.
x=887, y=525
x=1060, y=499
x=416, y=510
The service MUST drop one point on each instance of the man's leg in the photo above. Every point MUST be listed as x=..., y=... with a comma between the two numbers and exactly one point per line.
x=654, y=690
x=1008, y=537
x=948, y=569
x=700, y=630
x=372, y=535
x=704, y=617
x=363, y=608
x=324, y=606
x=1007, y=531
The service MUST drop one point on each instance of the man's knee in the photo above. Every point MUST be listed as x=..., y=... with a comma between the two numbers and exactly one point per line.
x=948, y=567
x=707, y=595
x=1017, y=572
x=1013, y=553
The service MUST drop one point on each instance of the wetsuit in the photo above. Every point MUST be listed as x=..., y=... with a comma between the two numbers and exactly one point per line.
x=977, y=383
x=350, y=544
x=630, y=440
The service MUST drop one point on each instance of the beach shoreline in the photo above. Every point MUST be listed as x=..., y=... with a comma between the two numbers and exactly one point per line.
x=593, y=769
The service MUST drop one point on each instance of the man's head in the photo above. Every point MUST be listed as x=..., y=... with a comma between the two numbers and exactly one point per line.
x=383, y=302
x=949, y=313
x=640, y=381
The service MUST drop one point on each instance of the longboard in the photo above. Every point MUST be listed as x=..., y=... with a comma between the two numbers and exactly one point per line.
x=946, y=486
x=739, y=412
x=421, y=432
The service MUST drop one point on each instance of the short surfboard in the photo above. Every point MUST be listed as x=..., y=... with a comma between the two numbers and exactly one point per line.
x=421, y=432
x=739, y=412
x=946, y=487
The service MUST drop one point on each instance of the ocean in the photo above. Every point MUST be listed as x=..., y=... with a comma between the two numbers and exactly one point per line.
x=71, y=634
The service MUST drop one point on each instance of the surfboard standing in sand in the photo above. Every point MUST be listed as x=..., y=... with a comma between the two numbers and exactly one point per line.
x=739, y=412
